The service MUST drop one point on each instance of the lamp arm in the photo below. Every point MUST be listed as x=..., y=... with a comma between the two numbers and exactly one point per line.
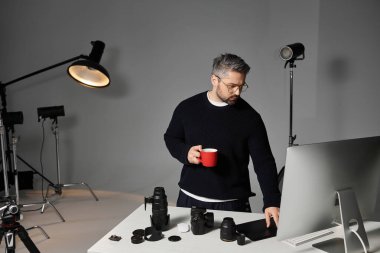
x=43, y=70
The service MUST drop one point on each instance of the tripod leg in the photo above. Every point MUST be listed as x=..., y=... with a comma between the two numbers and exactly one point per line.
x=45, y=202
x=26, y=240
x=1, y=234
x=41, y=229
x=56, y=210
x=57, y=189
x=61, y=186
x=89, y=188
x=47, y=192
x=10, y=241
x=84, y=184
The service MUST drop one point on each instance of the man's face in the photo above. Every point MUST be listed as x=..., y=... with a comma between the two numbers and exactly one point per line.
x=228, y=88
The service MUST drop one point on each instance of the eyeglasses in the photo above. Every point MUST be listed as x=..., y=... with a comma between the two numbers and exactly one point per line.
x=233, y=87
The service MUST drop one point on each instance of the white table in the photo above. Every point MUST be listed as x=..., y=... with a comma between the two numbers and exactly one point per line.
x=140, y=219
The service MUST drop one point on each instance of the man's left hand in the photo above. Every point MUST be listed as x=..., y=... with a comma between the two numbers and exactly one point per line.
x=272, y=212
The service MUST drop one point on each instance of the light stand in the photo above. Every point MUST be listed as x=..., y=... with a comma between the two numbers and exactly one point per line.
x=4, y=164
x=45, y=201
x=88, y=72
x=53, y=112
x=10, y=227
x=290, y=54
x=292, y=137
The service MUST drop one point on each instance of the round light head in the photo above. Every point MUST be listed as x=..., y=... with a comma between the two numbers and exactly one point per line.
x=89, y=74
x=286, y=53
x=292, y=52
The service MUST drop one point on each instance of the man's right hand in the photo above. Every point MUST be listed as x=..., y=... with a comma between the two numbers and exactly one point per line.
x=194, y=154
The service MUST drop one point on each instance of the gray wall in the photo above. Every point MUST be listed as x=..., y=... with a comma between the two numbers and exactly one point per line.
x=159, y=53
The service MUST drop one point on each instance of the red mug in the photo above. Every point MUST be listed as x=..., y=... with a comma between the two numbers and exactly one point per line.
x=209, y=157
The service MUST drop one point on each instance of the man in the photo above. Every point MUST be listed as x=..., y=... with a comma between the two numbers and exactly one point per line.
x=221, y=119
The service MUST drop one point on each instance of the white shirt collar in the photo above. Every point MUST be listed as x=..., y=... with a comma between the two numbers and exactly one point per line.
x=216, y=103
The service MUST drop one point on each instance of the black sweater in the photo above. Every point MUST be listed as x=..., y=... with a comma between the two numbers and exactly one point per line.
x=237, y=132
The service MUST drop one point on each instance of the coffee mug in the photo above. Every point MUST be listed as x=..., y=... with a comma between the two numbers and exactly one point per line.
x=209, y=157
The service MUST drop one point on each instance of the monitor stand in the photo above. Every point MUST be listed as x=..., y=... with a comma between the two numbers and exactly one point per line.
x=349, y=213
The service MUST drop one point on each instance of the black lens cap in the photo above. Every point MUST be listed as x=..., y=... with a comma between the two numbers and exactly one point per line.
x=139, y=232
x=174, y=238
x=241, y=239
x=136, y=239
x=151, y=234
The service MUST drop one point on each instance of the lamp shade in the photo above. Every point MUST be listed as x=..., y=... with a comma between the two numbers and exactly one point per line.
x=89, y=72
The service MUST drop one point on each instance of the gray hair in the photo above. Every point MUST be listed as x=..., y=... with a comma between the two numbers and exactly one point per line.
x=229, y=62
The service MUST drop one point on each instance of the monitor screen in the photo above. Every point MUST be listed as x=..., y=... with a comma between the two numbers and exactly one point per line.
x=313, y=175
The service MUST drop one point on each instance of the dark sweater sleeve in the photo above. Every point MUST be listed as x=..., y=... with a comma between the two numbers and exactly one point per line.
x=264, y=165
x=175, y=137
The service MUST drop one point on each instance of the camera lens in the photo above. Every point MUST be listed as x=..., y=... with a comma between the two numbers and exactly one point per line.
x=228, y=229
x=198, y=223
x=159, y=218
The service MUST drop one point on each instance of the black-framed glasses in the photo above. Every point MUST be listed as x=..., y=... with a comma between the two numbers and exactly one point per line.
x=234, y=87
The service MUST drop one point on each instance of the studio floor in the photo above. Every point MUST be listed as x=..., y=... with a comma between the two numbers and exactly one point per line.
x=86, y=222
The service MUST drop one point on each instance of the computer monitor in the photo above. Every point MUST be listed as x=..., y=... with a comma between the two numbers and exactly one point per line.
x=314, y=173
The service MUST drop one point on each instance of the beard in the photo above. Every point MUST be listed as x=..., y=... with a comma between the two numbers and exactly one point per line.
x=230, y=100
